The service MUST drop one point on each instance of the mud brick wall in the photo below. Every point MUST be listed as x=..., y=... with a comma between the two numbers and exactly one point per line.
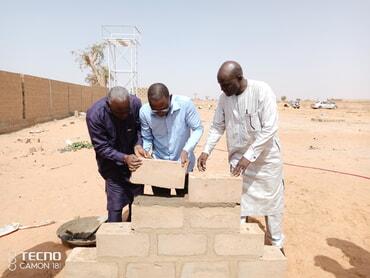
x=74, y=98
x=11, y=96
x=37, y=97
x=59, y=102
x=142, y=93
x=97, y=93
x=27, y=100
x=87, y=97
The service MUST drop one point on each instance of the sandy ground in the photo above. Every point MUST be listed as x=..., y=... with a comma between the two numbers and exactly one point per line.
x=327, y=171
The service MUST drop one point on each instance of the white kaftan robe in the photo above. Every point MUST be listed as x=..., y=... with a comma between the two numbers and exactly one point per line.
x=251, y=124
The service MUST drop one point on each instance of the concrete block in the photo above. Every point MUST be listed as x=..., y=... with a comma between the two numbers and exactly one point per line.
x=215, y=188
x=272, y=264
x=152, y=270
x=205, y=270
x=82, y=262
x=185, y=244
x=215, y=217
x=249, y=242
x=119, y=240
x=157, y=212
x=161, y=173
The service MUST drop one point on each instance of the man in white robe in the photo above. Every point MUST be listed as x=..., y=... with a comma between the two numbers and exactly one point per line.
x=247, y=111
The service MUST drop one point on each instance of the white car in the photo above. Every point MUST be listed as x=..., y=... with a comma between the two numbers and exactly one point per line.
x=324, y=104
x=295, y=104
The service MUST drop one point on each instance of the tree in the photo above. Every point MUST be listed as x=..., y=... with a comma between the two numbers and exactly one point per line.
x=283, y=98
x=92, y=58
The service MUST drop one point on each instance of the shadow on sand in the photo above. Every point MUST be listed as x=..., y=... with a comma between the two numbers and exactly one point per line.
x=262, y=226
x=358, y=257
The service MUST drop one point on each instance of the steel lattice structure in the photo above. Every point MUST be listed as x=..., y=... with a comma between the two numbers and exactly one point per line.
x=123, y=42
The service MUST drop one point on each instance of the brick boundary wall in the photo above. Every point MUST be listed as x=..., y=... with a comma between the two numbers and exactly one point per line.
x=28, y=100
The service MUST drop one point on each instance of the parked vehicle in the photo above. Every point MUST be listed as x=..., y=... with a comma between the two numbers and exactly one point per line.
x=324, y=104
x=295, y=104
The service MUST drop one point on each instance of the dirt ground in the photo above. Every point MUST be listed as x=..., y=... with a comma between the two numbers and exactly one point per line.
x=327, y=177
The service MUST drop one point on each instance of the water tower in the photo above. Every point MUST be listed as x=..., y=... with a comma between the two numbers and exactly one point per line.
x=123, y=42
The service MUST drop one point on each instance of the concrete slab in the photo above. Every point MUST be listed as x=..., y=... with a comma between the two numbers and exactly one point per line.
x=272, y=264
x=161, y=173
x=249, y=242
x=206, y=270
x=83, y=263
x=119, y=240
x=152, y=270
x=215, y=188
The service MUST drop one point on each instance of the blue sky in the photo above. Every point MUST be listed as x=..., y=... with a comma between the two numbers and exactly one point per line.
x=303, y=49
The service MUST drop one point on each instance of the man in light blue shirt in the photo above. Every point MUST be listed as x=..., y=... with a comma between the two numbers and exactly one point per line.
x=171, y=128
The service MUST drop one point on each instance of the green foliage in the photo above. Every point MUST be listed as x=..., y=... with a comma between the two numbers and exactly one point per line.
x=77, y=146
x=92, y=58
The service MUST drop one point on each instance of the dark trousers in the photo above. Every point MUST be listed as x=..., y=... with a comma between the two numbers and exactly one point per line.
x=119, y=194
x=166, y=192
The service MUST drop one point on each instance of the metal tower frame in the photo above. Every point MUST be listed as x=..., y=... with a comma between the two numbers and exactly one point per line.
x=122, y=42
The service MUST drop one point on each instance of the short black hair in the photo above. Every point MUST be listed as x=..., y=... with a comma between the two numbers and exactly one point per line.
x=157, y=91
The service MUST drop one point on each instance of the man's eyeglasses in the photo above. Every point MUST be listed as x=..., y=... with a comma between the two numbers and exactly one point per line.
x=162, y=110
x=165, y=110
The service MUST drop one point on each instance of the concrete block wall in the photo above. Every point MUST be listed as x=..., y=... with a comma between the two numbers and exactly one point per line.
x=177, y=238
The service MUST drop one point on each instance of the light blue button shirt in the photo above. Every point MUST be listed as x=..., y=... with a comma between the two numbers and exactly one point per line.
x=167, y=136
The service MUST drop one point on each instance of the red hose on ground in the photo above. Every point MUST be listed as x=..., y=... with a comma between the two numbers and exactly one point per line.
x=327, y=170
x=316, y=168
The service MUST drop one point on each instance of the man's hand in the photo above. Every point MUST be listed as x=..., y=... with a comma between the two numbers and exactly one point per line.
x=140, y=152
x=185, y=161
x=133, y=162
x=240, y=167
x=201, y=162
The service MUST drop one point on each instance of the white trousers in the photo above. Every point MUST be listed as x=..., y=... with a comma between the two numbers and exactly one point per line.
x=273, y=227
